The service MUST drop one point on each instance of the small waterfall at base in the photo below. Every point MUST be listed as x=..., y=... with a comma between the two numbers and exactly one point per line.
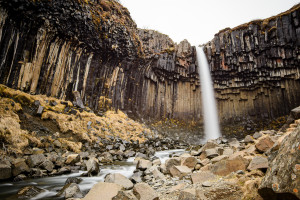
x=211, y=121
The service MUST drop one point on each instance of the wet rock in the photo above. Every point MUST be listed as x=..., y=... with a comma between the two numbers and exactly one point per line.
x=20, y=166
x=202, y=176
x=35, y=160
x=70, y=190
x=119, y=179
x=282, y=179
x=264, y=144
x=92, y=166
x=144, y=192
x=72, y=159
x=73, y=180
x=106, y=191
x=5, y=171
x=258, y=162
x=143, y=164
x=180, y=171
x=29, y=192
x=20, y=177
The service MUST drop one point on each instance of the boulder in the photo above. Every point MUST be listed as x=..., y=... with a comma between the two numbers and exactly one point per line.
x=20, y=167
x=119, y=179
x=258, y=162
x=47, y=165
x=106, y=157
x=248, y=139
x=29, y=192
x=257, y=135
x=72, y=159
x=73, y=180
x=155, y=173
x=282, y=179
x=172, y=162
x=5, y=171
x=232, y=164
x=187, y=195
x=180, y=171
x=70, y=190
x=202, y=176
x=211, y=153
x=143, y=164
x=103, y=191
x=92, y=166
x=144, y=192
x=77, y=100
x=125, y=195
x=264, y=144
x=190, y=162
x=227, y=151
x=137, y=177
x=35, y=160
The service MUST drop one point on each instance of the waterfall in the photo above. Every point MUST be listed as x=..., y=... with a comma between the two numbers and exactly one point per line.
x=211, y=121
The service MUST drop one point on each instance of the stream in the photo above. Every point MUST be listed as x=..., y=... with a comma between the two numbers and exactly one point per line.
x=52, y=185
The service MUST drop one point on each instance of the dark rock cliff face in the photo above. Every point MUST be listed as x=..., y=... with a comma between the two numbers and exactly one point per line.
x=94, y=47
x=255, y=67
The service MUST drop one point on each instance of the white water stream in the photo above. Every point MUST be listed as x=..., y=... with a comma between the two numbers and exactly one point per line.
x=211, y=121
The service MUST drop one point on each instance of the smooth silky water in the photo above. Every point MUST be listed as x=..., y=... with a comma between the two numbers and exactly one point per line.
x=52, y=185
x=210, y=114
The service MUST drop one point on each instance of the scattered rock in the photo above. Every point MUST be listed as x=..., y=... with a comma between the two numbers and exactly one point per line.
x=73, y=180
x=70, y=190
x=72, y=159
x=258, y=162
x=5, y=171
x=92, y=166
x=257, y=135
x=264, y=144
x=190, y=162
x=143, y=164
x=180, y=171
x=248, y=139
x=104, y=190
x=19, y=167
x=35, y=160
x=211, y=153
x=172, y=162
x=144, y=192
x=29, y=192
x=202, y=176
x=125, y=195
x=119, y=179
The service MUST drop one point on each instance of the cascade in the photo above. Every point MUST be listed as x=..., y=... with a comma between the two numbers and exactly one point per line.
x=211, y=121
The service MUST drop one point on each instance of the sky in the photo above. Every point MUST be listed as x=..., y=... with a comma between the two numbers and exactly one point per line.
x=199, y=20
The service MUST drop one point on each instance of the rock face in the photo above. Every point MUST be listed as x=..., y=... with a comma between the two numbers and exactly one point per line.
x=282, y=180
x=255, y=67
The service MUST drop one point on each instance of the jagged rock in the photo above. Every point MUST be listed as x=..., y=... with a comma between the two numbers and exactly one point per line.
x=137, y=177
x=72, y=159
x=258, y=162
x=155, y=173
x=264, y=144
x=70, y=190
x=125, y=195
x=40, y=110
x=5, y=171
x=119, y=179
x=232, y=164
x=144, y=192
x=29, y=192
x=211, y=153
x=143, y=164
x=180, y=171
x=248, y=139
x=187, y=195
x=189, y=161
x=92, y=166
x=106, y=191
x=282, y=178
x=35, y=160
x=257, y=135
x=47, y=165
x=106, y=157
x=73, y=180
x=202, y=176
x=172, y=162
x=20, y=166
x=78, y=101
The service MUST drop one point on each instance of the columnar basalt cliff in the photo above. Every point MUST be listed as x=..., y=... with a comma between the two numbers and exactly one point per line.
x=94, y=47
x=255, y=67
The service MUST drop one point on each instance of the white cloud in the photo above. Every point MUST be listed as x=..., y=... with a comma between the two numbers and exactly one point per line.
x=199, y=20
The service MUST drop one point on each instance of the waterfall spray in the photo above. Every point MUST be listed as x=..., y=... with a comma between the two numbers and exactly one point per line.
x=211, y=121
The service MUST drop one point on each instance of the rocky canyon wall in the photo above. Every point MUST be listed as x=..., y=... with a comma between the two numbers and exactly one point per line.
x=94, y=47
x=256, y=67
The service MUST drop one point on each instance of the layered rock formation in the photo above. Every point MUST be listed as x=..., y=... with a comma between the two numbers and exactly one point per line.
x=255, y=67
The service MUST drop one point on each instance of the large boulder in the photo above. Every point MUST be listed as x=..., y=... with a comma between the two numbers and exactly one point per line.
x=19, y=167
x=282, y=180
x=232, y=164
x=264, y=144
x=202, y=176
x=92, y=166
x=70, y=190
x=143, y=164
x=5, y=171
x=189, y=161
x=172, y=162
x=258, y=162
x=29, y=192
x=144, y=192
x=180, y=171
x=35, y=160
x=119, y=179
x=125, y=195
x=103, y=191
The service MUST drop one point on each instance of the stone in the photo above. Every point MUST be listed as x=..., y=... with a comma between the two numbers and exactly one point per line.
x=37, y=151
x=211, y=153
x=70, y=190
x=106, y=191
x=258, y=162
x=207, y=184
x=20, y=167
x=106, y=157
x=257, y=135
x=77, y=100
x=119, y=179
x=156, y=162
x=228, y=151
x=155, y=173
x=143, y=164
x=144, y=192
x=35, y=160
x=47, y=165
x=5, y=171
x=92, y=166
x=248, y=139
x=73, y=180
x=190, y=162
x=233, y=142
x=232, y=164
x=72, y=159
x=219, y=158
x=172, y=162
x=40, y=110
x=180, y=171
x=264, y=144
x=57, y=143
x=125, y=195
x=202, y=176
x=187, y=195
x=29, y=192
x=282, y=178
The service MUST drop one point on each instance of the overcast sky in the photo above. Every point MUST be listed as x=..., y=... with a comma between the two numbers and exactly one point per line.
x=199, y=20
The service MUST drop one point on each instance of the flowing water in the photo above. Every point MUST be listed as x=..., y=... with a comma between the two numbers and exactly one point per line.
x=52, y=185
x=211, y=121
